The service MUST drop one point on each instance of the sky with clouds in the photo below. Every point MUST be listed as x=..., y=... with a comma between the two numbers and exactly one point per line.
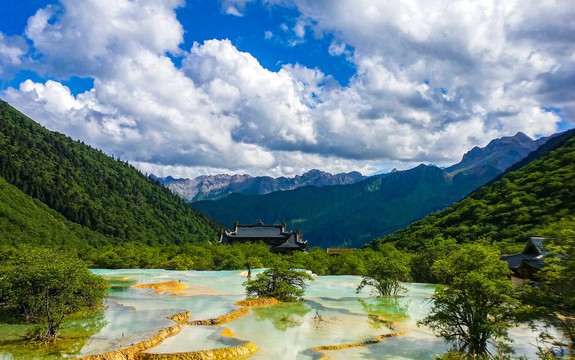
x=279, y=87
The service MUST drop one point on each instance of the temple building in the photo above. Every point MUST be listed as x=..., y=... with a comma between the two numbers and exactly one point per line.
x=528, y=262
x=275, y=236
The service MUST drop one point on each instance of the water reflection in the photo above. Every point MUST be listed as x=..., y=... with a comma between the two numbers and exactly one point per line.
x=393, y=308
x=284, y=315
x=195, y=338
x=75, y=334
x=377, y=322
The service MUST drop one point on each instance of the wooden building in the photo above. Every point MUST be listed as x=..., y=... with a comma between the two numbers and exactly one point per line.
x=338, y=251
x=275, y=236
x=528, y=262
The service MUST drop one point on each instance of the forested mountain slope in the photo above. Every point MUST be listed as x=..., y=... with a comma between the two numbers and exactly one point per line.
x=538, y=192
x=91, y=189
x=346, y=215
x=352, y=215
x=24, y=220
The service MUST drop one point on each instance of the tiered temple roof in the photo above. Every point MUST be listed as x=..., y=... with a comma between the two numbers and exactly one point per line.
x=275, y=236
x=526, y=263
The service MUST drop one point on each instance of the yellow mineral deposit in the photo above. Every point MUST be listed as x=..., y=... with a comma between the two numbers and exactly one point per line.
x=162, y=286
x=377, y=339
x=184, y=317
x=181, y=318
x=226, y=318
x=194, y=290
x=134, y=352
x=257, y=302
x=227, y=333
x=242, y=351
x=176, y=288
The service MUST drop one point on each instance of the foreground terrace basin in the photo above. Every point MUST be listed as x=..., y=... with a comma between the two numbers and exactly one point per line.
x=332, y=314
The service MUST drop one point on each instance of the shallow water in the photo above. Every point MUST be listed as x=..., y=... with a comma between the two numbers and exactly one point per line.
x=195, y=338
x=332, y=314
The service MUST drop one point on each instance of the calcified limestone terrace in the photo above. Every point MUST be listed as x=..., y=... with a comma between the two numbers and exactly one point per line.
x=141, y=351
x=334, y=321
x=171, y=285
x=289, y=318
x=138, y=351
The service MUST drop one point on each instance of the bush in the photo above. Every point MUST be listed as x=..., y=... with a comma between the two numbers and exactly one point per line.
x=42, y=286
x=386, y=271
x=280, y=282
x=476, y=306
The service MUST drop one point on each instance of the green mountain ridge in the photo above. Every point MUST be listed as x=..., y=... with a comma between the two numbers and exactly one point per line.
x=347, y=215
x=91, y=189
x=532, y=195
x=353, y=215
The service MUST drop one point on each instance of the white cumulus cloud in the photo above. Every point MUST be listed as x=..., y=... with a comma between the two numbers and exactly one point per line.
x=434, y=78
x=12, y=50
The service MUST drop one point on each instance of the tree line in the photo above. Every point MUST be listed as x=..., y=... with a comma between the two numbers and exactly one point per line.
x=91, y=189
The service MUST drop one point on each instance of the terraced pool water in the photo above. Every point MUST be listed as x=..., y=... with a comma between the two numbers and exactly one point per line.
x=332, y=314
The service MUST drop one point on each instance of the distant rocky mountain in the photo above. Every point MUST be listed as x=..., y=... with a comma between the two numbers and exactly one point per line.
x=480, y=165
x=212, y=187
x=529, y=197
x=499, y=154
x=352, y=215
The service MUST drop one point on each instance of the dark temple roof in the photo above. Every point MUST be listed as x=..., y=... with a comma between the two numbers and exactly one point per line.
x=274, y=235
x=533, y=255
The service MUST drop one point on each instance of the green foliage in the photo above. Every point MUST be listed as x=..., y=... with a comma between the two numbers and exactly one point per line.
x=434, y=249
x=317, y=260
x=520, y=204
x=91, y=189
x=179, y=262
x=29, y=221
x=553, y=298
x=42, y=286
x=476, y=304
x=209, y=256
x=385, y=271
x=283, y=316
x=218, y=257
x=451, y=355
x=349, y=263
x=280, y=282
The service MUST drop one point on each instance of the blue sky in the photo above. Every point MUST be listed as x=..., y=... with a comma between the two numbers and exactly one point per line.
x=279, y=87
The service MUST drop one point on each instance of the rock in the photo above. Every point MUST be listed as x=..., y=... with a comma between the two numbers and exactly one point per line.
x=210, y=187
x=162, y=286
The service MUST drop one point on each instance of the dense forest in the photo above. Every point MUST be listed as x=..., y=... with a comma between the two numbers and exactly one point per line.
x=24, y=220
x=91, y=189
x=529, y=198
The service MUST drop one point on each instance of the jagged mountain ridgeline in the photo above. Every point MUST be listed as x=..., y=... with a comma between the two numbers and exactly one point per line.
x=213, y=187
x=88, y=188
x=352, y=215
x=532, y=195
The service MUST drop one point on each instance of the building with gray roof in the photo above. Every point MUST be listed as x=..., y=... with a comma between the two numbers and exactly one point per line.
x=275, y=236
x=528, y=262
